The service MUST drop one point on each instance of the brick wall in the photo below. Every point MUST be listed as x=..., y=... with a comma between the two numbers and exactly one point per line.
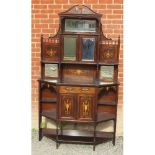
x=45, y=20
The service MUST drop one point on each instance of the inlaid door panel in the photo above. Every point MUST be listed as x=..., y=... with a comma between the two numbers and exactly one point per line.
x=67, y=106
x=85, y=107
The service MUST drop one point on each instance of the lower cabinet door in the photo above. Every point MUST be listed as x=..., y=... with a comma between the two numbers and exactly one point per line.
x=67, y=106
x=85, y=107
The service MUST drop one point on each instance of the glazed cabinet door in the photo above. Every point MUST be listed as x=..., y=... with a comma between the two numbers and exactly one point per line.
x=67, y=105
x=85, y=107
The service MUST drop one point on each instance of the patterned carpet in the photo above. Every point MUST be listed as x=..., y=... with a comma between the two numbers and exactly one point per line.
x=48, y=147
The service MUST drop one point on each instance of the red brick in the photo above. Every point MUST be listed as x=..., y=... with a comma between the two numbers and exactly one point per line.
x=40, y=7
x=47, y=11
x=114, y=6
x=36, y=30
x=105, y=1
x=35, y=11
x=91, y=1
x=118, y=1
x=57, y=6
x=61, y=1
x=76, y=1
x=47, y=1
x=41, y=16
x=118, y=11
x=114, y=16
x=66, y=7
x=99, y=7
x=48, y=31
x=35, y=1
x=41, y=25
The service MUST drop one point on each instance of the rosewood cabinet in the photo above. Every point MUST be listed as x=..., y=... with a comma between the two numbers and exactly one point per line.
x=79, y=79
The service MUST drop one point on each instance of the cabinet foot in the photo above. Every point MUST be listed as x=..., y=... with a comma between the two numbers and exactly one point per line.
x=93, y=147
x=113, y=142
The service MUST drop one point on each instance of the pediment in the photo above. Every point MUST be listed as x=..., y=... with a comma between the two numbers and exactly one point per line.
x=80, y=10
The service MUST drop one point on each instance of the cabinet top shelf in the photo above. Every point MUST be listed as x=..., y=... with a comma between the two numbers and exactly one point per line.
x=80, y=62
x=96, y=83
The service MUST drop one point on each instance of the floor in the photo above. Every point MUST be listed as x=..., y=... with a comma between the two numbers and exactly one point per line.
x=48, y=147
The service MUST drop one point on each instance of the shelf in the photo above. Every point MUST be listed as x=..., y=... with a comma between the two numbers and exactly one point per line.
x=46, y=100
x=54, y=81
x=105, y=116
x=78, y=136
x=49, y=62
x=51, y=114
x=115, y=83
x=107, y=103
x=108, y=64
x=79, y=62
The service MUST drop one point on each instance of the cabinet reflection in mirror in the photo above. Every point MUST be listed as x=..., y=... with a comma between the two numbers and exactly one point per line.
x=78, y=25
x=88, y=46
x=107, y=73
x=51, y=70
x=70, y=48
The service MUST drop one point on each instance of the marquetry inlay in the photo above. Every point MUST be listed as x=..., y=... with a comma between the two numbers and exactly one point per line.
x=108, y=54
x=50, y=52
x=86, y=108
x=67, y=106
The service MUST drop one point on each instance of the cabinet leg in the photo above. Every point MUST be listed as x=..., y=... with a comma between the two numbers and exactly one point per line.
x=57, y=135
x=40, y=134
x=93, y=147
x=94, y=137
x=114, y=138
x=57, y=145
x=113, y=141
x=40, y=129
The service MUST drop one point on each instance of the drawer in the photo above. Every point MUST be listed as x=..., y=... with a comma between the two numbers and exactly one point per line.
x=85, y=90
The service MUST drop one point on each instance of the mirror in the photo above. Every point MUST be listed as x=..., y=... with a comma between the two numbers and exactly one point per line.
x=78, y=25
x=51, y=70
x=88, y=46
x=70, y=48
x=107, y=73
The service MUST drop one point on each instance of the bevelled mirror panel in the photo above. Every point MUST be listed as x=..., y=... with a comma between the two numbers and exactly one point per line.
x=51, y=70
x=78, y=25
x=70, y=48
x=107, y=73
x=88, y=47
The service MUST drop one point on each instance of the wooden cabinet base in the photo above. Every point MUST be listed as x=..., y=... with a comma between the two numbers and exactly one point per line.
x=78, y=136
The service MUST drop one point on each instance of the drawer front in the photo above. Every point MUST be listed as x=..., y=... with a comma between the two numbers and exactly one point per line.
x=79, y=90
x=67, y=106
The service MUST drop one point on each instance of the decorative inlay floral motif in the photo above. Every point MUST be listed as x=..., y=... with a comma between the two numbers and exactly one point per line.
x=85, y=108
x=50, y=52
x=108, y=54
x=67, y=106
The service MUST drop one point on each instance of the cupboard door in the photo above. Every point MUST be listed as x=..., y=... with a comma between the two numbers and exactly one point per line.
x=85, y=107
x=67, y=106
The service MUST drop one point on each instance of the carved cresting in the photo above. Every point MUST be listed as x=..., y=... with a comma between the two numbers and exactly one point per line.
x=67, y=106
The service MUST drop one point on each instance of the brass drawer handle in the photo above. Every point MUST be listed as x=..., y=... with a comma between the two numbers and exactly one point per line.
x=84, y=89
x=69, y=89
